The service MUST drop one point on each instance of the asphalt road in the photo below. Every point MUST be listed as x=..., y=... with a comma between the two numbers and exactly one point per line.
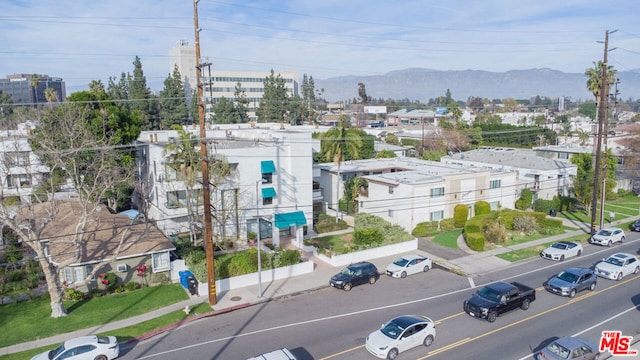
x=333, y=324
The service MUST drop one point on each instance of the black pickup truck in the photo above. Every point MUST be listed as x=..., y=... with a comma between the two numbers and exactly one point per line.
x=497, y=298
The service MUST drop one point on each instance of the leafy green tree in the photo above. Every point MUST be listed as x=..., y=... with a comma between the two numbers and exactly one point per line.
x=386, y=154
x=308, y=97
x=173, y=101
x=241, y=104
x=588, y=109
x=275, y=99
x=296, y=111
x=51, y=95
x=476, y=104
x=453, y=109
x=118, y=90
x=141, y=99
x=392, y=139
x=224, y=112
x=6, y=104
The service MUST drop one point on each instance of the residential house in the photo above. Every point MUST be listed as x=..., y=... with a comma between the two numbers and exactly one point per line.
x=546, y=178
x=112, y=241
x=408, y=191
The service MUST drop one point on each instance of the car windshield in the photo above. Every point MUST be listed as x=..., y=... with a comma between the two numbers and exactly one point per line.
x=401, y=262
x=489, y=294
x=392, y=329
x=347, y=271
x=568, y=277
x=57, y=351
x=613, y=261
x=559, y=246
x=559, y=350
x=604, y=233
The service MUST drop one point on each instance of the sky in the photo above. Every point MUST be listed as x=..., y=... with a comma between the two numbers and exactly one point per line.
x=85, y=40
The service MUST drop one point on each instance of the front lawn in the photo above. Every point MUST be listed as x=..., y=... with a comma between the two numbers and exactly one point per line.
x=448, y=239
x=521, y=254
x=31, y=320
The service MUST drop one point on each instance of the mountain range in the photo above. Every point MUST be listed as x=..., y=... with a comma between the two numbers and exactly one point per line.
x=424, y=84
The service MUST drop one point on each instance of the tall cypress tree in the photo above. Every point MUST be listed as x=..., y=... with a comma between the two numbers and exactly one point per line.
x=173, y=101
x=274, y=103
x=143, y=101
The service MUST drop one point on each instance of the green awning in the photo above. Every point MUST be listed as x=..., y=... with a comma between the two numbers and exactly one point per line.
x=267, y=167
x=285, y=220
x=268, y=192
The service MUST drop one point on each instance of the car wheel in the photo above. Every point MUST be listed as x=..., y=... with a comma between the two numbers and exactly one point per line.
x=101, y=357
x=619, y=276
x=403, y=274
x=593, y=286
x=637, y=270
x=561, y=257
x=393, y=353
x=426, y=268
x=492, y=316
x=372, y=280
x=609, y=243
x=572, y=293
x=428, y=340
x=622, y=239
x=525, y=304
x=347, y=287
x=579, y=252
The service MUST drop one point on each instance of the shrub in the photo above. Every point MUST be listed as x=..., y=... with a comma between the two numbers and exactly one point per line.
x=16, y=275
x=496, y=233
x=367, y=237
x=328, y=223
x=119, y=289
x=482, y=207
x=525, y=199
x=460, y=215
x=543, y=206
x=161, y=278
x=288, y=257
x=110, y=280
x=130, y=286
x=524, y=223
x=447, y=224
x=243, y=263
x=475, y=241
x=424, y=229
x=72, y=295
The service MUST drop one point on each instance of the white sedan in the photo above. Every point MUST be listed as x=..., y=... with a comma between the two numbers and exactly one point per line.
x=84, y=348
x=608, y=236
x=561, y=250
x=401, y=334
x=617, y=266
x=407, y=265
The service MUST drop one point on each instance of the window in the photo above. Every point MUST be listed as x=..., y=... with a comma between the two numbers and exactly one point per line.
x=17, y=158
x=161, y=261
x=18, y=180
x=437, y=215
x=494, y=184
x=390, y=213
x=563, y=155
x=267, y=168
x=437, y=192
x=495, y=205
x=267, y=201
x=390, y=189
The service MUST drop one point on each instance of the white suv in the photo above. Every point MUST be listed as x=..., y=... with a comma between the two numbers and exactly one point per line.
x=607, y=236
x=280, y=354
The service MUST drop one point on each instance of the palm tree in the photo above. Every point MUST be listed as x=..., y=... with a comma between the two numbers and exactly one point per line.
x=583, y=136
x=51, y=95
x=594, y=78
x=33, y=80
x=334, y=145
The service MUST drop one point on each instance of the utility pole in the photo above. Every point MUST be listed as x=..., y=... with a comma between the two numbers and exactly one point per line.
x=602, y=113
x=208, y=238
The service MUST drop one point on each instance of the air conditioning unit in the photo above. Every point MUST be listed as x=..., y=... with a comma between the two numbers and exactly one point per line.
x=123, y=267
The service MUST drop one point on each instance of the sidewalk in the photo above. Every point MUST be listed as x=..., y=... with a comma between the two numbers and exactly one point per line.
x=470, y=265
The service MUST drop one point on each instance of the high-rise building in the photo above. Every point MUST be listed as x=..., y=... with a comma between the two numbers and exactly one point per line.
x=183, y=55
x=19, y=87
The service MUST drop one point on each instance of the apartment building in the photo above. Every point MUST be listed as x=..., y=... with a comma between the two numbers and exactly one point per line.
x=19, y=87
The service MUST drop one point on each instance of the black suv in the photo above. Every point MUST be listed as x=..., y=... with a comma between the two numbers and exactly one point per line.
x=355, y=274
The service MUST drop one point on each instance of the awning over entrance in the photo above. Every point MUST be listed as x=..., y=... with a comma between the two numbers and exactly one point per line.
x=285, y=220
x=268, y=192
x=267, y=167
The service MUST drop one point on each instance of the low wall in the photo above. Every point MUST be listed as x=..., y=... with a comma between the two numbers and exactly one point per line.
x=374, y=253
x=235, y=282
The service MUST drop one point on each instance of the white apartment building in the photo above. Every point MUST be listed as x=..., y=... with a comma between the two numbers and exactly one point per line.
x=270, y=180
x=545, y=177
x=408, y=191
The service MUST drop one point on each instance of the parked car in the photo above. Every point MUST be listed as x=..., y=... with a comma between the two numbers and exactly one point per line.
x=571, y=281
x=280, y=354
x=635, y=226
x=84, y=348
x=616, y=266
x=569, y=347
x=401, y=334
x=408, y=265
x=607, y=236
x=561, y=250
x=498, y=298
x=355, y=274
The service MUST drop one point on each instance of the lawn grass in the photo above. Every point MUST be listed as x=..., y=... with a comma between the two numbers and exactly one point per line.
x=521, y=254
x=128, y=333
x=31, y=320
x=448, y=239
x=331, y=243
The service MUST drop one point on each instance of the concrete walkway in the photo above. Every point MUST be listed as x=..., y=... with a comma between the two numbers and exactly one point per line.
x=472, y=264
